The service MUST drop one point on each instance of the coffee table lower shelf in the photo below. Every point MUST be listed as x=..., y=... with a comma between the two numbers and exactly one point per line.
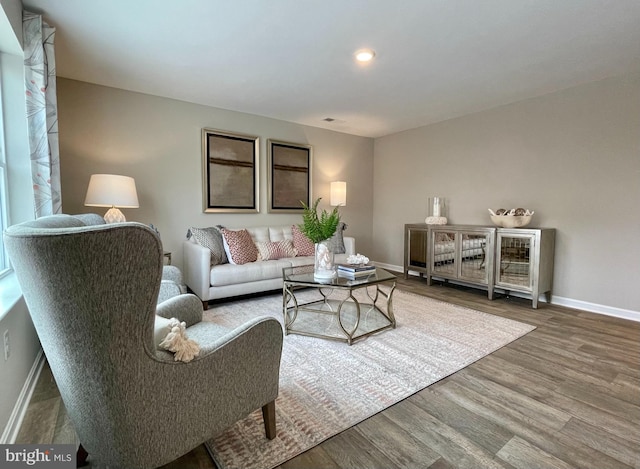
x=344, y=318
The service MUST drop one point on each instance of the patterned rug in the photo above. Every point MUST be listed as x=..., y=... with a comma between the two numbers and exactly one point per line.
x=328, y=386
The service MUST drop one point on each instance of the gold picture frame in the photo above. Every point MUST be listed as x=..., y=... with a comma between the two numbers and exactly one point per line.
x=230, y=172
x=289, y=176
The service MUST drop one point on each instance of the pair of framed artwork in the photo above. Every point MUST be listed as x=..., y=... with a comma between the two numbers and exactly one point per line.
x=231, y=173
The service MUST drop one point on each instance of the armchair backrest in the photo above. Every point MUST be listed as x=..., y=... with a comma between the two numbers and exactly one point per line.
x=91, y=292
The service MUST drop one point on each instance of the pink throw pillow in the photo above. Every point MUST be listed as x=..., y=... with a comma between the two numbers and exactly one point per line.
x=303, y=245
x=241, y=248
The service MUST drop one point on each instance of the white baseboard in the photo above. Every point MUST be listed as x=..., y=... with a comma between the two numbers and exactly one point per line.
x=555, y=300
x=10, y=432
x=596, y=308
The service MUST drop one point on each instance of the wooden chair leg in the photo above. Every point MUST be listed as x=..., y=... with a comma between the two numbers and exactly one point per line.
x=81, y=457
x=269, y=417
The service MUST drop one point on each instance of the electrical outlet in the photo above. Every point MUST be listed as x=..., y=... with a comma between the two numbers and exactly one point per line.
x=7, y=349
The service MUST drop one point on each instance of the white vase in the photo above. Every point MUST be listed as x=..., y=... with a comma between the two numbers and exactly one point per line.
x=324, y=266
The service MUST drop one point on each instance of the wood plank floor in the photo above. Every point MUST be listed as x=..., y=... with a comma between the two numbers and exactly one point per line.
x=566, y=395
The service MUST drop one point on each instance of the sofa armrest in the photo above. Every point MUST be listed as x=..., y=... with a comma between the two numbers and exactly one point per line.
x=349, y=245
x=197, y=268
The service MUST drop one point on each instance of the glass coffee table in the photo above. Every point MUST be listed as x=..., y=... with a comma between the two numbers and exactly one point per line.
x=346, y=310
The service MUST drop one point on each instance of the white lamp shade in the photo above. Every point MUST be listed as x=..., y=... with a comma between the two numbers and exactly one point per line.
x=110, y=190
x=338, y=193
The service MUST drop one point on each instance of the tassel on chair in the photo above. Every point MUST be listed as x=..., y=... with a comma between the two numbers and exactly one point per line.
x=177, y=342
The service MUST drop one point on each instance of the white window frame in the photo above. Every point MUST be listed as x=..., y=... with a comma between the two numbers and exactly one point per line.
x=5, y=266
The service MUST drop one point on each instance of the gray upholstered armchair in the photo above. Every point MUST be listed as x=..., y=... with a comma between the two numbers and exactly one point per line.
x=172, y=282
x=92, y=292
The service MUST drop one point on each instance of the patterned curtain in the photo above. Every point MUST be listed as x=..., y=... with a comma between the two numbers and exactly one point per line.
x=42, y=113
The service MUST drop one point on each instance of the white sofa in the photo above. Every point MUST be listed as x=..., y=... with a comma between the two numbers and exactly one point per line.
x=229, y=280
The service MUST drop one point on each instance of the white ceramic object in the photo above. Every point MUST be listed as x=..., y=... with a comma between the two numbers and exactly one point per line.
x=511, y=221
x=357, y=259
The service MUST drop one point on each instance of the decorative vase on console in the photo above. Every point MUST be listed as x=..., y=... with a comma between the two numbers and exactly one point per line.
x=437, y=211
x=319, y=228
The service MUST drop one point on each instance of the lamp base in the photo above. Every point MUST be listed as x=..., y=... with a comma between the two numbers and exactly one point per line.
x=114, y=215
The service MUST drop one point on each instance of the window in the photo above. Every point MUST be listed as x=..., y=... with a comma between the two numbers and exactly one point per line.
x=4, y=263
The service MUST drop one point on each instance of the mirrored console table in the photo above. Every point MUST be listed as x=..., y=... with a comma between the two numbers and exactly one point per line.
x=511, y=259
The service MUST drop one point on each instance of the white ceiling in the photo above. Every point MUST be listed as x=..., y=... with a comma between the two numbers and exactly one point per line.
x=293, y=59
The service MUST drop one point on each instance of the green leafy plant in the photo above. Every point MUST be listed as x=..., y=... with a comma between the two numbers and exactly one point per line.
x=318, y=227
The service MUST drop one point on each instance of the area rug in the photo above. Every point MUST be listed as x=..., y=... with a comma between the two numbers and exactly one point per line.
x=327, y=386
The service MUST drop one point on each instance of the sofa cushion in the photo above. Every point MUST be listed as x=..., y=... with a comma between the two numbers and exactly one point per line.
x=278, y=233
x=229, y=274
x=259, y=234
x=303, y=245
x=239, y=246
x=270, y=233
x=210, y=238
x=301, y=260
x=269, y=250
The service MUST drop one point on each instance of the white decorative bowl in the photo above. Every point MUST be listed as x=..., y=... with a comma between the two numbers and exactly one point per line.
x=511, y=221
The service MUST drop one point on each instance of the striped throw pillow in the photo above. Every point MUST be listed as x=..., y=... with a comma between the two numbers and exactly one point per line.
x=268, y=250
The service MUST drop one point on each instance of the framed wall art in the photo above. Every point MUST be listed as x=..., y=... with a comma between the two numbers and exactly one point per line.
x=230, y=172
x=289, y=177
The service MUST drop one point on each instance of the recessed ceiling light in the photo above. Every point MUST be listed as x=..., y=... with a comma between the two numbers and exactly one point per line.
x=365, y=55
x=328, y=119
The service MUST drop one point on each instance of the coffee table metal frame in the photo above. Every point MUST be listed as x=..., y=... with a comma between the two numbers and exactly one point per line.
x=296, y=278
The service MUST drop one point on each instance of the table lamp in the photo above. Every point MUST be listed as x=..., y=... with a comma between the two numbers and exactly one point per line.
x=338, y=194
x=110, y=190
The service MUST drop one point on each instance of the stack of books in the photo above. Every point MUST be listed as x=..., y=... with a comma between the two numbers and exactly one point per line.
x=355, y=271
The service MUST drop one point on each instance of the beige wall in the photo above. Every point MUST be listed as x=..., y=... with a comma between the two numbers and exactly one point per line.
x=158, y=142
x=572, y=156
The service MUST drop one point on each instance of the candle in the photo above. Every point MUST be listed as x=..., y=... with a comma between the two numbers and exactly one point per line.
x=436, y=206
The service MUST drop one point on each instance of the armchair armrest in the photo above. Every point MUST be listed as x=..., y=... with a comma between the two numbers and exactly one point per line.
x=197, y=268
x=186, y=308
x=172, y=283
x=263, y=332
x=168, y=289
x=236, y=372
x=171, y=272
